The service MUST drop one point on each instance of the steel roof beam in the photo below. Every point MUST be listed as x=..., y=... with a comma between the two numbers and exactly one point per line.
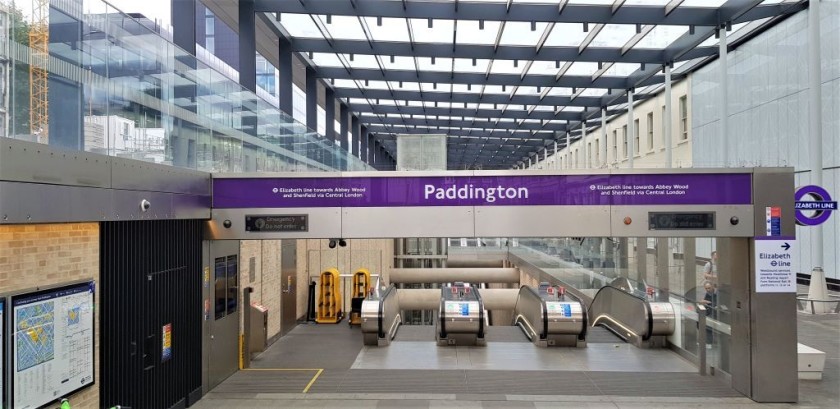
x=475, y=98
x=380, y=129
x=527, y=12
x=457, y=123
x=482, y=114
x=487, y=52
x=533, y=80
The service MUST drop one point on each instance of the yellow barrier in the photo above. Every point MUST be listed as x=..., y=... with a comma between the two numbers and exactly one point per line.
x=361, y=288
x=329, y=298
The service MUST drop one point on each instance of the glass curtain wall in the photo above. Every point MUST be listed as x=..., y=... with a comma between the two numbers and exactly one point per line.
x=81, y=75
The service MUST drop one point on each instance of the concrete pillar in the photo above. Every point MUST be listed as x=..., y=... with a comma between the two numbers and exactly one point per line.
x=668, y=120
x=355, y=135
x=344, y=125
x=724, y=97
x=631, y=130
x=329, y=113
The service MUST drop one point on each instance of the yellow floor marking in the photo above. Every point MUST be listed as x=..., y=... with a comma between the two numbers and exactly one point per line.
x=309, y=385
x=314, y=378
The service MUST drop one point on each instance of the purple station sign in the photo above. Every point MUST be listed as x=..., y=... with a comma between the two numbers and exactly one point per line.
x=563, y=190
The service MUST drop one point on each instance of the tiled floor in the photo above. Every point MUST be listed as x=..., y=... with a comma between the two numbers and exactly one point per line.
x=415, y=373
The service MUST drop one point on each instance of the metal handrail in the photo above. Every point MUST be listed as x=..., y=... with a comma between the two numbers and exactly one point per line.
x=595, y=308
x=519, y=317
x=390, y=291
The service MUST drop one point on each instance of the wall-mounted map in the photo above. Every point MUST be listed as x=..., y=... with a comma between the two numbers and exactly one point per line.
x=52, y=344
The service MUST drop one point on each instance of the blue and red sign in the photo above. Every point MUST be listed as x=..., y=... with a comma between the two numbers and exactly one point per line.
x=821, y=204
x=536, y=190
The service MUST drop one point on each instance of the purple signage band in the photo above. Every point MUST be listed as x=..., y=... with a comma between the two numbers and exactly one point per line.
x=562, y=190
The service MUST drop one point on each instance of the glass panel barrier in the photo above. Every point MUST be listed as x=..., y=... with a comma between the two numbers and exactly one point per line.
x=686, y=272
x=82, y=75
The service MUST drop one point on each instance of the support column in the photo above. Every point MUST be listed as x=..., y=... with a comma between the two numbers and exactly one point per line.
x=344, y=125
x=555, y=156
x=663, y=270
x=641, y=260
x=604, y=136
x=183, y=24
x=631, y=130
x=284, y=89
x=668, y=120
x=329, y=113
x=371, y=146
x=568, y=150
x=247, y=46
x=586, y=162
x=724, y=96
x=623, y=254
x=311, y=99
x=815, y=139
x=690, y=268
x=363, y=148
x=355, y=134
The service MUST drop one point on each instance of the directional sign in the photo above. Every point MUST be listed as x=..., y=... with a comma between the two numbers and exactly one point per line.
x=775, y=264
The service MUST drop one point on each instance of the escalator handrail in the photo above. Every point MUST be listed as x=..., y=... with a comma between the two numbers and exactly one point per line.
x=480, y=313
x=645, y=302
x=381, y=314
x=530, y=290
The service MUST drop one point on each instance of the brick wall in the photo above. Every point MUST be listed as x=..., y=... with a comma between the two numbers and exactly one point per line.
x=265, y=277
x=43, y=255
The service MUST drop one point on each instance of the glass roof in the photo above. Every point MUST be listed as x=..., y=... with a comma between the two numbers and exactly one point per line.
x=585, y=59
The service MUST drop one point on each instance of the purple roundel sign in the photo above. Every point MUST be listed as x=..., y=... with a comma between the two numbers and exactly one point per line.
x=821, y=204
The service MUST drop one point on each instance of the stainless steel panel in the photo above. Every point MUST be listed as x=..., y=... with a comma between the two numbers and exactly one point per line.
x=773, y=315
x=34, y=203
x=738, y=261
x=131, y=174
x=379, y=222
x=324, y=223
x=723, y=228
x=664, y=318
x=23, y=161
x=542, y=221
x=191, y=206
x=224, y=333
x=127, y=205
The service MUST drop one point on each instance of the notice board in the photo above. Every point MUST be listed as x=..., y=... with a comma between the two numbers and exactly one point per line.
x=52, y=344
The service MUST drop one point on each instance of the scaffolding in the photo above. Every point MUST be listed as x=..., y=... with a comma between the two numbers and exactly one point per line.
x=39, y=43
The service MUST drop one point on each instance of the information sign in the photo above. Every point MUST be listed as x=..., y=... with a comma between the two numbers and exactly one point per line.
x=775, y=264
x=683, y=220
x=519, y=190
x=278, y=223
x=52, y=347
x=166, y=343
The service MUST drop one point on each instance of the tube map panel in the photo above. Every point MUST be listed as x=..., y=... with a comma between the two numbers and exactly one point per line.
x=52, y=344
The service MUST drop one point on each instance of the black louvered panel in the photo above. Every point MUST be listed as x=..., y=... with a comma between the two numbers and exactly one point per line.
x=150, y=277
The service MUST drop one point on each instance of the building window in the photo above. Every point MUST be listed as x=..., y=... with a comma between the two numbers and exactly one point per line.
x=615, y=145
x=597, y=152
x=683, y=118
x=650, y=131
x=636, y=138
x=624, y=140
